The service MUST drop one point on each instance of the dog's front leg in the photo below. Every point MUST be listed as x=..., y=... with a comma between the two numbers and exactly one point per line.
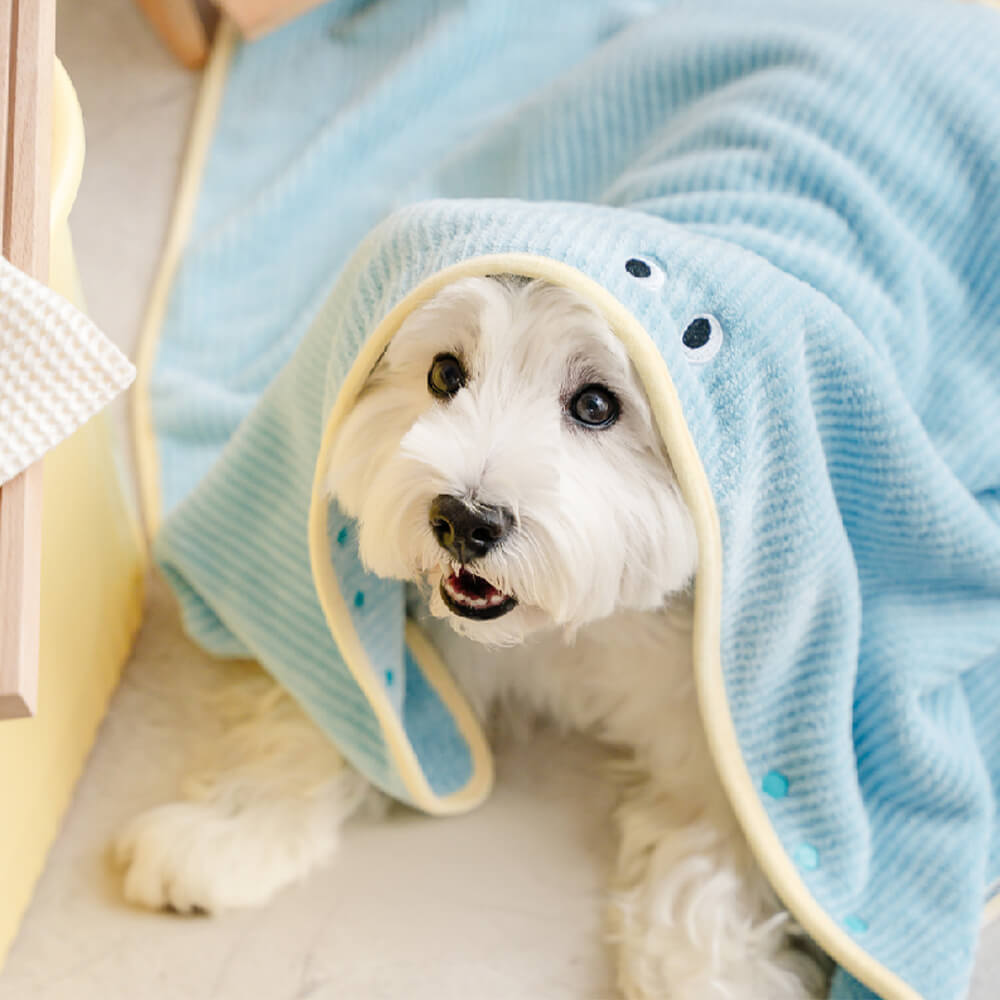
x=265, y=812
x=693, y=917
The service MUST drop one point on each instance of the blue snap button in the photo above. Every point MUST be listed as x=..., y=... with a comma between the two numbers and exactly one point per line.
x=806, y=856
x=855, y=924
x=389, y=677
x=359, y=599
x=342, y=536
x=775, y=784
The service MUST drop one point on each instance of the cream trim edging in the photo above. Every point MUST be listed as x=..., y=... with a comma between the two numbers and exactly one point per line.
x=714, y=707
x=991, y=912
x=147, y=461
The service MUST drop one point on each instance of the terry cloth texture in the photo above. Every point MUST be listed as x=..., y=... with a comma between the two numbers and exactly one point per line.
x=823, y=181
x=56, y=370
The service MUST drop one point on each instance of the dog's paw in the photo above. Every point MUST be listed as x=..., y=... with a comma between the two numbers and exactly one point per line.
x=192, y=857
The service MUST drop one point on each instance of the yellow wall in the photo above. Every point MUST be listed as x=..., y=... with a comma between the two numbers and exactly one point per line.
x=91, y=601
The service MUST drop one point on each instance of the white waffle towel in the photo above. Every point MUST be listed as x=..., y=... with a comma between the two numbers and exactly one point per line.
x=56, y=370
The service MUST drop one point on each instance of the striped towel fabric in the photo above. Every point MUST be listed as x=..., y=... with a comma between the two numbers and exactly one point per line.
x=821, y=184
x=56, y=370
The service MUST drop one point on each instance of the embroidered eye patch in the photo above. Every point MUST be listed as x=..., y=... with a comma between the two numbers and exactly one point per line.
x=702, y=339
x=645, y=270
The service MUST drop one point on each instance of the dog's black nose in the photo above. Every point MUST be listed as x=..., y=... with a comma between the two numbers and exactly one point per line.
x=468, y=530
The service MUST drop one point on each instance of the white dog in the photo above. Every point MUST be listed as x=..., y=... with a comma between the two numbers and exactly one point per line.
x=503, y=455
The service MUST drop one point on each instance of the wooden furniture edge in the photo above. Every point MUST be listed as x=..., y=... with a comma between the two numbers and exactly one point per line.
x=26, y=70
x=180, y=27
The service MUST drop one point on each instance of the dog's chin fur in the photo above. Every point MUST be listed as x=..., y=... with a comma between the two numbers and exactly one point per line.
x=600, y=525
x=599, y=557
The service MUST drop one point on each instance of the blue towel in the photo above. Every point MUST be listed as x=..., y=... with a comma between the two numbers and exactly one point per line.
x=824, y=181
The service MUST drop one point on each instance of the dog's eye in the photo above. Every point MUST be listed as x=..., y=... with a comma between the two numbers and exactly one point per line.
x=702, y=339
x=594, y=406
x=646, y=270
x=446, y=376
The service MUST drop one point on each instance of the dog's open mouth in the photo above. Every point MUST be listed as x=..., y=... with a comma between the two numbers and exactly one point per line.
x=471, y=596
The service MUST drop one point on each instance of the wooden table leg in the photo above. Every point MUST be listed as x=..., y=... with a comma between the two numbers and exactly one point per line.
x=180, y=26
x=26, y=68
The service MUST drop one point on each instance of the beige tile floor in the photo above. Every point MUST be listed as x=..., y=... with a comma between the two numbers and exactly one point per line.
x=136, y=103
x=500, y=905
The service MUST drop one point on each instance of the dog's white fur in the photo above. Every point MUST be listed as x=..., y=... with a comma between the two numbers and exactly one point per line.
x=600, y=559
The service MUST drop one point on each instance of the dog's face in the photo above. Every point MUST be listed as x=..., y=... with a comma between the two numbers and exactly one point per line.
x=503, y=453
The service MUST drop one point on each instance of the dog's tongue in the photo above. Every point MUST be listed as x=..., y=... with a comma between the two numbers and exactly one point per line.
x=468, y=585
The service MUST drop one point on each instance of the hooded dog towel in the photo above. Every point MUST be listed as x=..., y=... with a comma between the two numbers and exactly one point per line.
x=791, y=217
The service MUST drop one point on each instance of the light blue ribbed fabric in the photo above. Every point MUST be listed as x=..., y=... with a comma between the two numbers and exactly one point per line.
x=826, y=182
